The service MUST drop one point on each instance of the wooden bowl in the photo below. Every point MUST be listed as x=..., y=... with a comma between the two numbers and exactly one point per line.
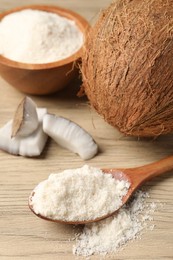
x=42, y=79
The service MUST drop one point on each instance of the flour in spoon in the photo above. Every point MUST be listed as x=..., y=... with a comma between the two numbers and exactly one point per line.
x=34, y=36
x=79, y=194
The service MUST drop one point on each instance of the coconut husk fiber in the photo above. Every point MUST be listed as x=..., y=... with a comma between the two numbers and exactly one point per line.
x=127, y=66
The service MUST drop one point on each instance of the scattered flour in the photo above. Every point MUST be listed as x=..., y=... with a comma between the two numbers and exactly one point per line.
x=34, y=36
x=78, y=194
x=111, y=234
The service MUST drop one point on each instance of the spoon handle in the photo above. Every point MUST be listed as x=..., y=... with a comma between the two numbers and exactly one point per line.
x=147, y=172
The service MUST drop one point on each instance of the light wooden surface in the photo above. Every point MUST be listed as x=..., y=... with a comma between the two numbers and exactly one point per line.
x=24, y=236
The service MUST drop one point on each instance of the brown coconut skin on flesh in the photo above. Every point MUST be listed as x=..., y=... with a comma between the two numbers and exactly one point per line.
x=127, y=66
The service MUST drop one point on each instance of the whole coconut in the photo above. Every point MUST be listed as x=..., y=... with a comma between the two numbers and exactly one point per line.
x=127, y=66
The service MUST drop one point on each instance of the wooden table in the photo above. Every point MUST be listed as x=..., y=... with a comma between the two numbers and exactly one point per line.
x=22, y=235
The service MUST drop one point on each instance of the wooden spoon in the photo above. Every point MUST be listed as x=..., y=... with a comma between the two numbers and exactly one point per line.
x=136, y=176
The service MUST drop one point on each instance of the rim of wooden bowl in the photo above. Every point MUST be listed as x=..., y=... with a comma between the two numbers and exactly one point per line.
x=81, y=22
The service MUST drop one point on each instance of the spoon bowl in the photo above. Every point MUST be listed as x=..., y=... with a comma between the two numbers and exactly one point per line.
x=135, y=176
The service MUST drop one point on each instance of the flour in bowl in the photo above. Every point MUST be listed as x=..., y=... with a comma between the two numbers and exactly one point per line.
x=78, y=194
x=34, y=36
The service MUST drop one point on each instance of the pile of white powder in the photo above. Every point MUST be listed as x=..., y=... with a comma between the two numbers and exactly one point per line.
x=113, y=233
x=78, y=194
x=87, y=193
x=34, y=36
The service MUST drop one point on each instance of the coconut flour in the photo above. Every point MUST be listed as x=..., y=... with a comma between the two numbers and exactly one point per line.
x=113, y=233
x=78, y=194
x=33, y=36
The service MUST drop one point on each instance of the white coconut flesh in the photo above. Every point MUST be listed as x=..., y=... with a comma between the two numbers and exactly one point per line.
x=31, y=145
x=70, y=136
x=26, y=119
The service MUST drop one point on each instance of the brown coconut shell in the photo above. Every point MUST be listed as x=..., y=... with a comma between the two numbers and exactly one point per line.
x=127, y=66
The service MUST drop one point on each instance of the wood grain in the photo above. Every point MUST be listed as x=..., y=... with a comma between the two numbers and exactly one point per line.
x=22, y=235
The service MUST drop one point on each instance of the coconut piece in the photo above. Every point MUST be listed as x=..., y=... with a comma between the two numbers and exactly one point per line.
x=29, y=146
x=127, y=66
x=25, y=120
x=70, y=136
